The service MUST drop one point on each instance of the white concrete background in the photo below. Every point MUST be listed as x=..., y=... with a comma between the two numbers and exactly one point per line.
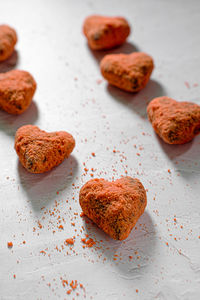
x=69, y=97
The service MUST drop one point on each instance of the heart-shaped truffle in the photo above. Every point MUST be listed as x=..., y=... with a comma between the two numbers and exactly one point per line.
x=40, y=151
x=8, y=39
x=175, y=122
x=105, y=32
x=16, y=91
x=114, y=206
x=129, y=72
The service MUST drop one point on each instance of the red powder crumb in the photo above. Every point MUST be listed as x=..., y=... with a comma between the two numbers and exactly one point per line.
x=24, y=242
x=93, y=154
x=89, y=243
x=169, y=171
x=60, y=227
x=64, y=282
x=138, y=154
x=131, y=257
x=187, y=84
x=10, y=244
x=14, y=276
x=74, y=284
x=99, y=81
x=69, y=241
x=136, y=290
x=114, y=151
x=167, y=243
x=39, y=225
x=73, y=224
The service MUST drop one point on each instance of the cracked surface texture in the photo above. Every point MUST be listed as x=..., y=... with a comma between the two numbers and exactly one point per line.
x=175, y=122
x=105, y=32
x=40, y=151
x=129, y=72
x=114, y=206
x=17, y=88
x=8, y=39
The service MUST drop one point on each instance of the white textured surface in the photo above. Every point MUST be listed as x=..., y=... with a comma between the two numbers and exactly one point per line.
x=52, y=47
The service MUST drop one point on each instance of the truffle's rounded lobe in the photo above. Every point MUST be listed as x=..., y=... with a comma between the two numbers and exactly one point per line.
x=8, y=39
x=129, y=72
x=17, y=88
x=105, y=32
x=40, y=151
x=175, y=122
x=114, y=206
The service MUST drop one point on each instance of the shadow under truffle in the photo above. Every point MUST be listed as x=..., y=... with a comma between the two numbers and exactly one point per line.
x=142, y=240
x=10, y=123
x=137, y=101
x=9, y=63
x=41, y=188
x=125, y=48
